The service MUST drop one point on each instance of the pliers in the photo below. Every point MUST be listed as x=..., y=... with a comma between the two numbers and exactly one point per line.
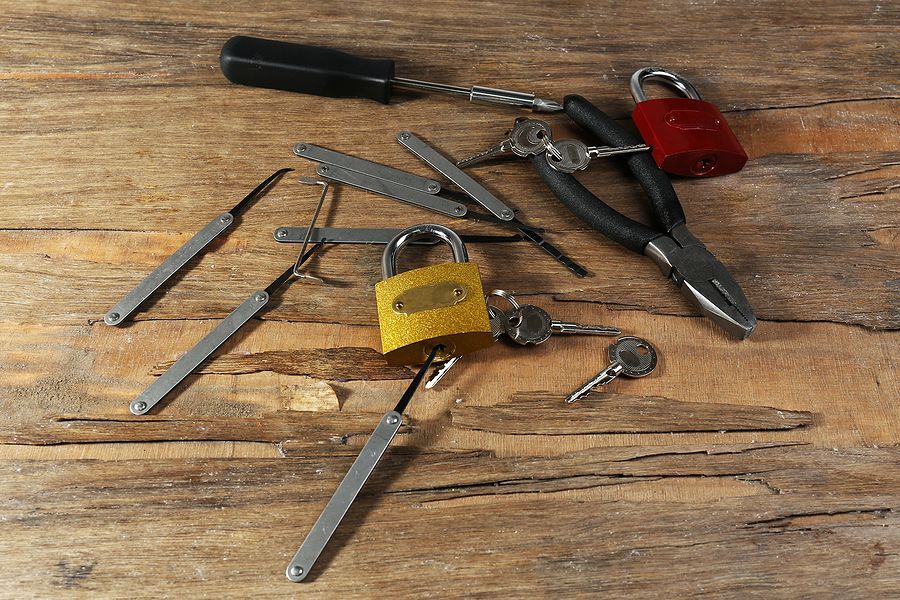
x=703, y=280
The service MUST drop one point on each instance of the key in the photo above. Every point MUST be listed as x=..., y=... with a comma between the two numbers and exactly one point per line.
x=630, y=356
x=498, y=318
x=498, y=321
x=574, y=155
x=530, y=325
x=527, y=138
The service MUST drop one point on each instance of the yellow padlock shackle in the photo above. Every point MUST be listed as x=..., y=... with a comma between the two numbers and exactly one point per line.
x=417, y=232
x=670, y=77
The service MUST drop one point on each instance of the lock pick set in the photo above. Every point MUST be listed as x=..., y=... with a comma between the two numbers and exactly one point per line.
x=432, y=316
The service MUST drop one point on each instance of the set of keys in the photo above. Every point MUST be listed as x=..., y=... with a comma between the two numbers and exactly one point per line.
x=531, y=137
x=529, y=325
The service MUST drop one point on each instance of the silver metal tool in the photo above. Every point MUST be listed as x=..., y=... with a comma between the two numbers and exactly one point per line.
x=498, y=320
x=445, y=167
x=630, y=356
x=190, y=249
x=226, y=328
x=366, y=167
x=392, y=190
x=339, y=235
x=530, y=325
x=356, y=235
x=185, y=365
x=347, y=491
x=703, y=280
x=479, y=93
x=527, y=138
x=498, y=328
x=385, y=186
x=312, y=224
x=573, y=155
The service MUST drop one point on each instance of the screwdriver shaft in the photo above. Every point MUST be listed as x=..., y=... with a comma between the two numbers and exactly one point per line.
x=482, y=94
x=428, y=86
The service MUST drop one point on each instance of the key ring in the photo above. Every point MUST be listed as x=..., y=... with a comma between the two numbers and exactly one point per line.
x=509, y=298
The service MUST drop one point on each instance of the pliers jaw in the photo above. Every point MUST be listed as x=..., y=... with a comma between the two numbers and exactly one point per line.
x=703, y=280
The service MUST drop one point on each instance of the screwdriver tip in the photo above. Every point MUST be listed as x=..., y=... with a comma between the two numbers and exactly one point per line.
x=541, y=105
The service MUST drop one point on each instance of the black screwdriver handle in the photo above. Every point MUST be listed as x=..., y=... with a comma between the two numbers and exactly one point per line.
x=306, y=69
x=666, y=207
x=593, y=211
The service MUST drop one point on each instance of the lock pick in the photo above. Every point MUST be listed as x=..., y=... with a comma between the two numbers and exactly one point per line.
x=226, y=328
x=188, y=250
x=354, y=480
x=230, y=325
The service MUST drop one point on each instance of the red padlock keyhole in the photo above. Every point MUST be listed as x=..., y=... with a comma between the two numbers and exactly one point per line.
x=689, y=137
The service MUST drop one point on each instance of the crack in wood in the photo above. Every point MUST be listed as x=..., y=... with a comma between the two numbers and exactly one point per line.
x=826, y=102
x=509, y=487
x=276, y=427
x=537, y=413
x=334, y=364
x=879, y=192
x=809, y=521
x=538, y=486
x=872, y=169
x=718, y=450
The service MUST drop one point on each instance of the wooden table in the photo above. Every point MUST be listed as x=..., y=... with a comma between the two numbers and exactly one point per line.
x=768, y=467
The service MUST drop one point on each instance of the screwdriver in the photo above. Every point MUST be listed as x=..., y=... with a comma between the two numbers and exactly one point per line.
x=327, y=72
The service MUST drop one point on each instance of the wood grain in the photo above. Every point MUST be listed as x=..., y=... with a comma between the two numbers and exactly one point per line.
x=241, y=521
x=339, y=364
x=604, y=412
x=739, y=470
x=776, y=243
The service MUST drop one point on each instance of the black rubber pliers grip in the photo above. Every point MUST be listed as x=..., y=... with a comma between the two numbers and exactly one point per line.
x=667, y=211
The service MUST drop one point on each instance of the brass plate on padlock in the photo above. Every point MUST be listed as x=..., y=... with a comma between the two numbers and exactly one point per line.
x=462, y=327
x=426, y=297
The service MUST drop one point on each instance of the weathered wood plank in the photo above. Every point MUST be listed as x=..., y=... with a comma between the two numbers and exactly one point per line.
x=526, y=414
x=171, y=49
x=121, y=138
x=605, y=412
x=337, y=364
x=135, y=181
x=91, y=373
x=240, y=521
x=773, y=245
x=312, y=429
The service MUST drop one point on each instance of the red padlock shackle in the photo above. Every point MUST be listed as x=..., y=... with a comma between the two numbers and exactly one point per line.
x=670, y=77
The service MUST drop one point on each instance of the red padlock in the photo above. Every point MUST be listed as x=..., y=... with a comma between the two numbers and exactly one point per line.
x=689, y=136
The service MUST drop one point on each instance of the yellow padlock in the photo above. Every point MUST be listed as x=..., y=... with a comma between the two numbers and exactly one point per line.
x=439, y=305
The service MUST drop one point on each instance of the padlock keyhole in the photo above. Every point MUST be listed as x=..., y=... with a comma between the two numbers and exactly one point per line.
x=704, y=165
x=445, y=351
